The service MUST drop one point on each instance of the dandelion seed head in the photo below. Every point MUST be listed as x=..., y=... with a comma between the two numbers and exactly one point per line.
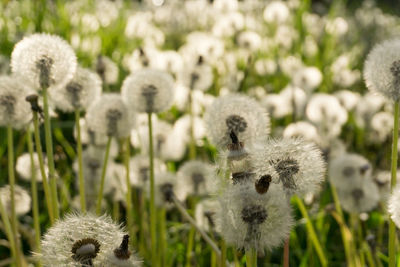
x=78, y=93
x=140, y=170
x=197, y=76
x=359, y=197
x=165, y=187
x=237, y=113
x=24, y=168
x=149, y=90
x=80, y=239
x=349, y=169
x=382, y=69
x=14, y=109
x=44, y=60
x=21, y=196
x=195, y=178
x=107, y=70
x=205, y=213
x=302, y=129
x=251, y=220
x=295, y=164
x=109, y=115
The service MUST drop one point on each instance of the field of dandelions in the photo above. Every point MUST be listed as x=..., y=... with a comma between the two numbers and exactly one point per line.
x=199, y=133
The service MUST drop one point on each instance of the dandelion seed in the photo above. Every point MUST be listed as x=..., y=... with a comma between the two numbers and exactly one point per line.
x=238, y=114
x=382, y=69
x=79, y=93
x=21, y=196
x=43, y=60
x=14, y=110
x=294, y=163
x=149, y=90
x=109, y=115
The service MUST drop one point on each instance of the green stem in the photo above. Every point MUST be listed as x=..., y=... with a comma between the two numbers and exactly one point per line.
x=46, y=188
x=251, y=258
x=129, y=217
x=80, y=162
x=50, y=156
x=186, y=215
x=8, y=230
x=192, y=145
x=153, y=214
x=311, y=232
x=11, y=180
x=163, y=235
x=392, y=227
x=189, y=247
x=223, y=253
x=103, y=176
x=35, y=203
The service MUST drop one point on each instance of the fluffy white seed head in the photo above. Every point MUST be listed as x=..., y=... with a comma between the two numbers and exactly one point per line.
x=302, y=129
x=110, y=115
x=24, y=167
x=205, y=213
x=81, y=240
x=107, y=70
x=21, y=197
x=78, y=93
x=198, y=76
x=295, y=164
x=195, y=178
x=347, y=169
x=44, y=60
x=14, y=109
x=239, y=114
x=149, y=90
x=394, y=206
x=359, y=197
x=250, y=220
x=165, y=188
x=382, y=69
x=140, y=170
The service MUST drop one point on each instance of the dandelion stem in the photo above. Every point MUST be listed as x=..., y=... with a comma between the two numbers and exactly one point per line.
x=186, y=215
x=251, y=258
x=80, y=162
x=311, y=232
x=163, y=235
x=189, y=247
x=286, y=248
x=8, y=230
x=103, y=176
x=11, y=180
x=46, y=188
x=192, y=145
x=153, y=214
x=50, y=156
x=129, y=217
x=392, y=227
x=223, y=253
x=35, y=204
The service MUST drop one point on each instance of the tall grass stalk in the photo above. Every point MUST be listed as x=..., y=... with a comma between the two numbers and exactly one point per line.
x=103, y=176
x=311, y=232
x=153, y=214
x=129, y=217
x=50, y=155
x=393, y=181
x=46, y=187
x=80, y=162
x=35, y=203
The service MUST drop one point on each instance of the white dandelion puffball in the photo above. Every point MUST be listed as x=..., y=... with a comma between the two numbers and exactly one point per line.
x=197, y=77
x=85, y=240
x=239, y=114
x=295, y=164
x=24, y=168
x=165, y=189
x=382, y=69
x=110, y=115
x=149, y=90
x=15, y=111
x=107, y=70
x=249, y=220
x=21, y=197
x=140, y=170
x=78, y=93
x=276, y=12
x=205, y=213
x=347, y=169
x=195, y=178
x=308, y=78
x=393, y=205
x=359, y=197
x=44, y=60
x=302, y=129
x=348, y=99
